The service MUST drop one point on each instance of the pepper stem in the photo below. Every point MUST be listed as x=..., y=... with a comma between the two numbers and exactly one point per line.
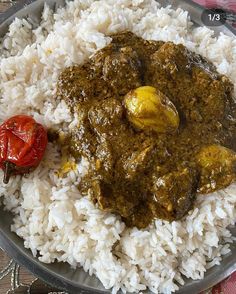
x=8, y=169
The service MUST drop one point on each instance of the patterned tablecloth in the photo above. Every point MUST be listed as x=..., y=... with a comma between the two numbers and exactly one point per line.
x=17, y=280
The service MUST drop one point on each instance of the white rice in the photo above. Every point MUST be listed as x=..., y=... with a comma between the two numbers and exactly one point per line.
x=50, y=214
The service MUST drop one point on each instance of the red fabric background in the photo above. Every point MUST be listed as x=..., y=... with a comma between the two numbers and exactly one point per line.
x=228, y=286
x=225, y=4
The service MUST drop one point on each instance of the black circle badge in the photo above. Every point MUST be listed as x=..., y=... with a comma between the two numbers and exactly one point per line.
x=213, y=17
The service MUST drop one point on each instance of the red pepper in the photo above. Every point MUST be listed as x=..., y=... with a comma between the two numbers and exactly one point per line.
x=22, y=145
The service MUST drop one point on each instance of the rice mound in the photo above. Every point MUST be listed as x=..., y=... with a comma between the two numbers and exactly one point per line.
x=49, y=212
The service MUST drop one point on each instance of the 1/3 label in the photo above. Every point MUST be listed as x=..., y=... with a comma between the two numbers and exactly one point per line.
x=214, y=17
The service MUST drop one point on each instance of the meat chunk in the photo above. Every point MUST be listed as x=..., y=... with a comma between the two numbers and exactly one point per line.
x=140, y=217
x=109, y=198
x=75, y=84
x=105, y=160
x=190, y=81
x=80, y=84
x=122, y=69
x=105, y=114
x=138, y=161
x=173, y=194
x=208, y=97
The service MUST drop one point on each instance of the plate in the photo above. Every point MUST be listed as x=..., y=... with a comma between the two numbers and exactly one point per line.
x=61, y=275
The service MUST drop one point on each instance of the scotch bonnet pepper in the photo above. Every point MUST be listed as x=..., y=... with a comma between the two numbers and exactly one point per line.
x=22, y=145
